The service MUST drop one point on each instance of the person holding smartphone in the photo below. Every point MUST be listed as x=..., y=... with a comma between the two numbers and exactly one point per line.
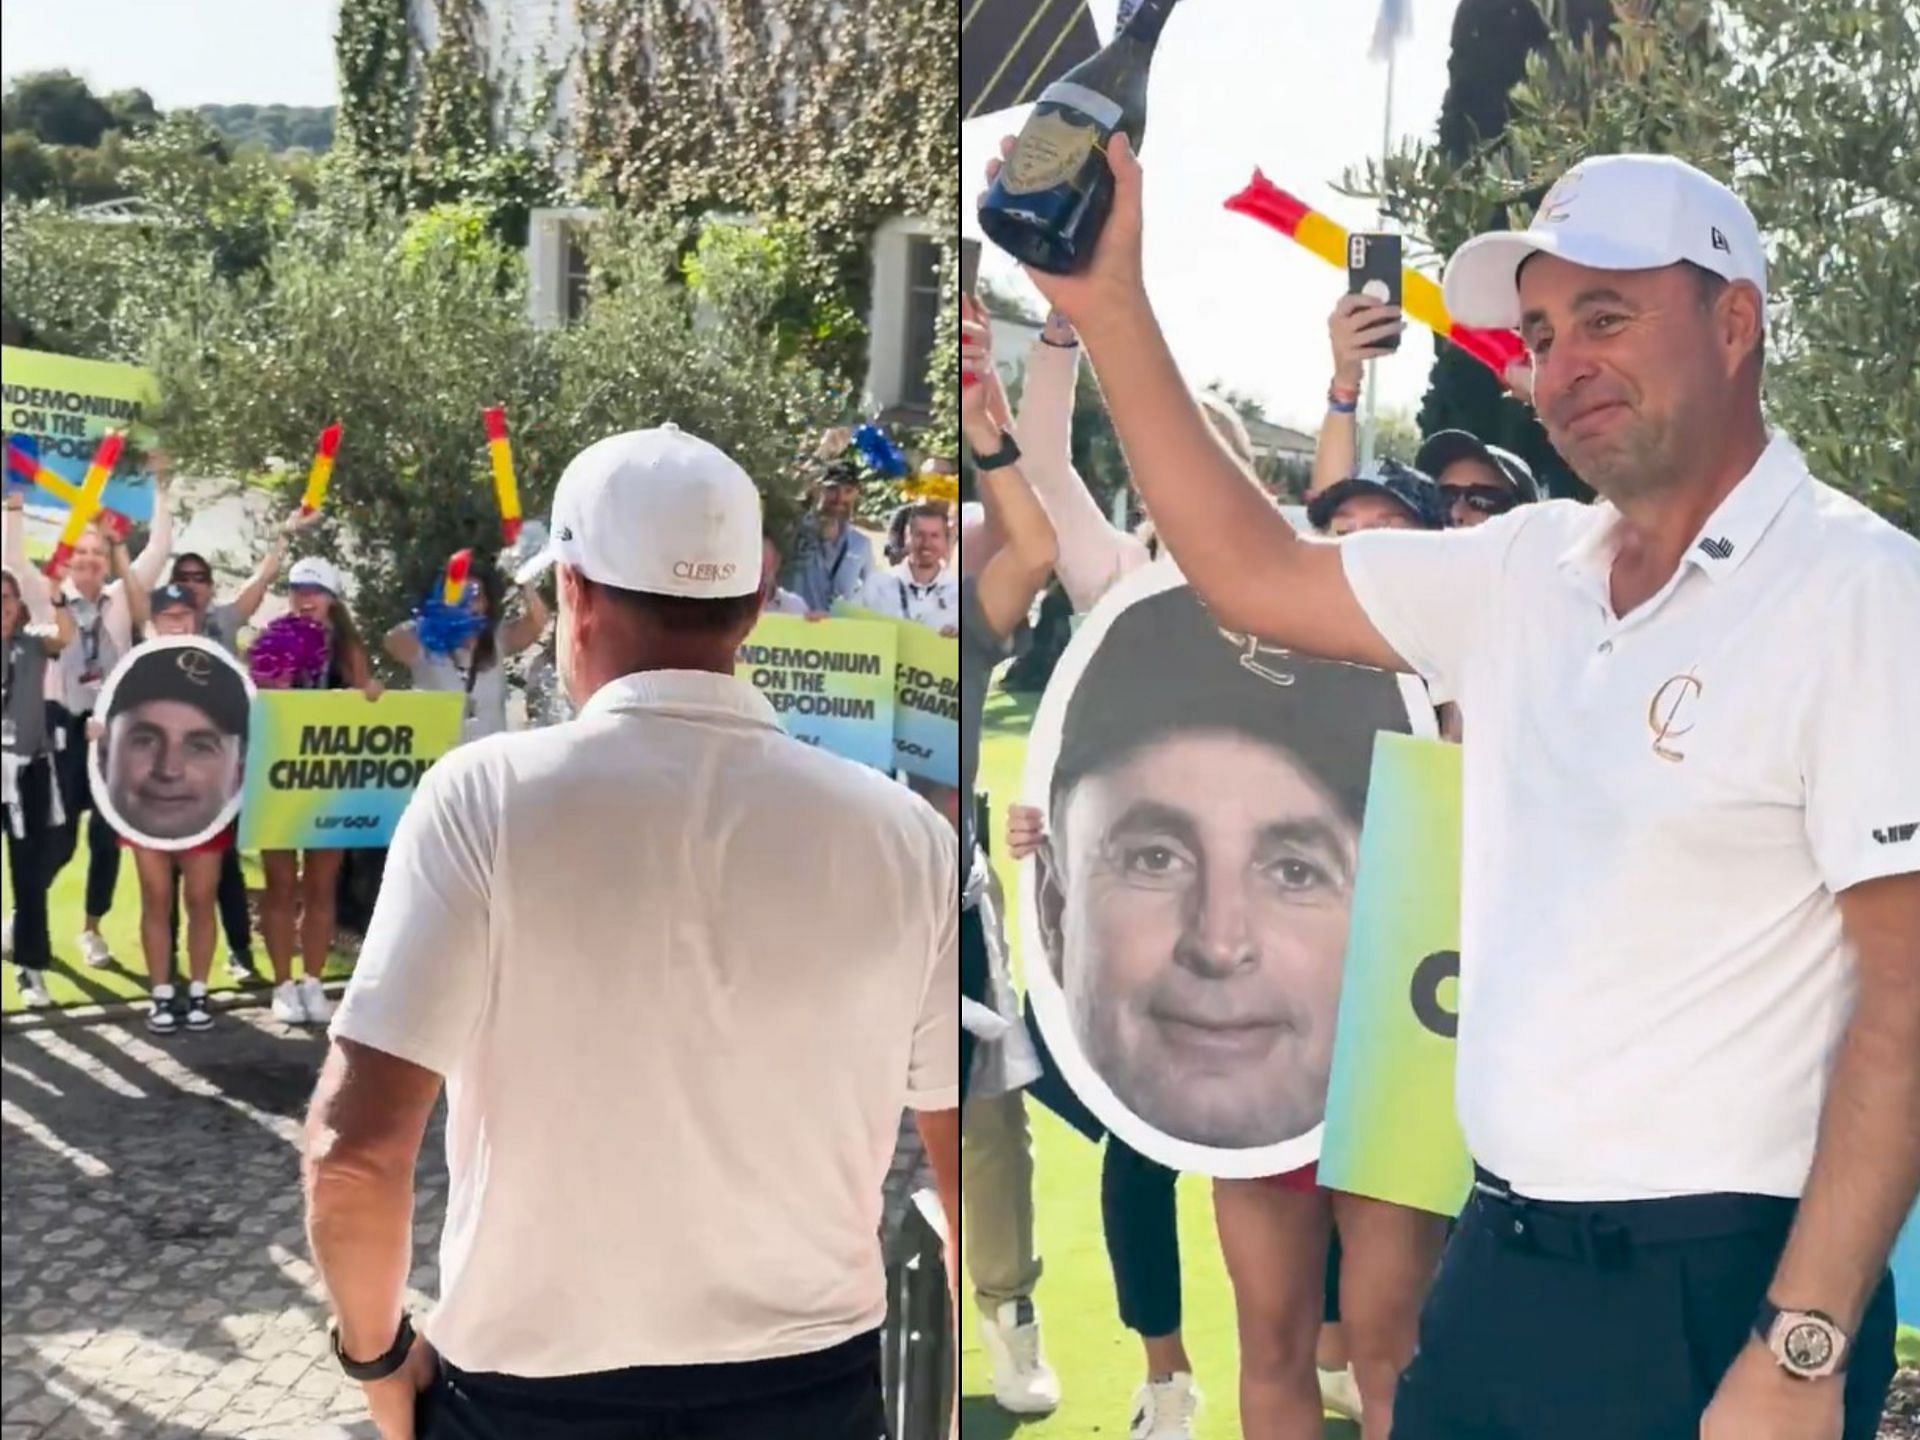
x=1477, y=481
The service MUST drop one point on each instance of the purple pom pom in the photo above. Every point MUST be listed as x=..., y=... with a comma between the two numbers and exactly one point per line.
x=289, y=654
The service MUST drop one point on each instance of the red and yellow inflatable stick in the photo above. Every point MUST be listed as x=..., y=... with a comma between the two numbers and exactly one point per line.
x=1420, y=297
x=505, y=489
x=26, y=467
x=87, y=505
x=454, y=590
x=322, y=470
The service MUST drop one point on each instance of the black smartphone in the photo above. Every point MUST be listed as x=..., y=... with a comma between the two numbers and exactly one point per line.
x=969, y=266
x=1373, y=270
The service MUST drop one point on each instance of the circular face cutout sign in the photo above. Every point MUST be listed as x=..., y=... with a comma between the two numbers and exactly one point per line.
x=1185, y=921
x=169, y=751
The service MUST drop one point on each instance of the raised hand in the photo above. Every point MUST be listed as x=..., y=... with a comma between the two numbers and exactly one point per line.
x=1357, y=327
x=1110, y=280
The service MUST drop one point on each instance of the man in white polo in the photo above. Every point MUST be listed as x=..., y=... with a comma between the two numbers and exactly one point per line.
x=920, y=588
x=674, y=1072
x=1689, y=1050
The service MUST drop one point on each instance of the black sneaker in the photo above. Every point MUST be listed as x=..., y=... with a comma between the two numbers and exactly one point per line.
x=199, y=1015
x=161, y=1017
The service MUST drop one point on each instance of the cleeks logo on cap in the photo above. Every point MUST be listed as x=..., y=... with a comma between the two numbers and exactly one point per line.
x=703, y=570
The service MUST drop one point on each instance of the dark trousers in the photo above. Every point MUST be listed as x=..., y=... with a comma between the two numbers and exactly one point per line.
x=1597, y=1322
x=832, y=1395
x=103, y=842
x=1138, y=1211
x=973, y=981
x=30, y=870
x=232, y=900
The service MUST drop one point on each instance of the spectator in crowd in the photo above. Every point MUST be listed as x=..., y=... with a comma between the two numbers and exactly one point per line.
x=997, y=589
x=740, y=1296
x=476, y=668
x=1715, y=980
x=223, y=622
x=182, y=715
x=831, y=559
x=302, y=884
x=106, y=594
x=919, y=587
x=774, y=600
x=1392, y=497
x=1093, y=553
x=34, y=627
x=1479, y=480
x=896, y=547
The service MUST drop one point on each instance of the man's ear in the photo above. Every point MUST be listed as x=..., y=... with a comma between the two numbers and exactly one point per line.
x=1742, y=319
x=1051, y=908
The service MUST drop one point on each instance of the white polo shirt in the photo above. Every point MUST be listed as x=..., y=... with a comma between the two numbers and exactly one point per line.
x=1660, y=811
x=682, y=974
x=895, y=594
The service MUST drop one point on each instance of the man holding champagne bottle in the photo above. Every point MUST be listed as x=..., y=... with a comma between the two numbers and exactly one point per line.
x=1690, y=1047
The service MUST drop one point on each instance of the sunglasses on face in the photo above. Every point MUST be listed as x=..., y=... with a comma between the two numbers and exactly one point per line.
x=1481, y=499
x=192, y=577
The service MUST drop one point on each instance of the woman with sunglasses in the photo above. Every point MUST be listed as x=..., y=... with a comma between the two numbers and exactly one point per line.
x=1477, y=481
x=222, y=622
x=34, y=628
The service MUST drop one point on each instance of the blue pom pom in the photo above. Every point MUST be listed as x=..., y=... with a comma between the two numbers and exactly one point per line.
x=443, y=629
x=882, y=456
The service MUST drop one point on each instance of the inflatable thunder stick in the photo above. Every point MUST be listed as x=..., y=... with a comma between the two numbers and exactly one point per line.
x=322, y=470
x=26, y=468
x=455, y=588
x=505, y=490
x=1266, y=202
x=87, y=505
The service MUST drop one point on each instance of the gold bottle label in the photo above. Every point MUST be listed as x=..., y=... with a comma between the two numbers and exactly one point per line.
x=1050, y=152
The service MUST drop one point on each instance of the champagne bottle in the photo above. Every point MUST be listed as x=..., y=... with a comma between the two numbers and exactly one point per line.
x=1051, y=198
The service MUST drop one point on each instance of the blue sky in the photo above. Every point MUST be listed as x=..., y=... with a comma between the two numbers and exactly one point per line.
x=182, y=52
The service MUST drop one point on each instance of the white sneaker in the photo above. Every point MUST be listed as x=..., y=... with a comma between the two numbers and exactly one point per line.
x=313, y=1000
x=1340, y=1393
x=6, y=936
x=93, y=949
x=33, y=989
x=287, y=1008
x=1023, y=1382
x=1165, y=1410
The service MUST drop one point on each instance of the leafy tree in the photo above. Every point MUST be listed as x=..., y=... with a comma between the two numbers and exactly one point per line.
x=132, y=110
x=26, y=168
x=57, y=107
x=1809, y=107
x=404, y=334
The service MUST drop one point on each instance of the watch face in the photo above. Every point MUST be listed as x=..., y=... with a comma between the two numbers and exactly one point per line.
x=1807, y=1346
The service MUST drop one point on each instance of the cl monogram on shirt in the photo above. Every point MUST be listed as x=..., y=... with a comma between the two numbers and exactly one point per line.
x=1666, y=715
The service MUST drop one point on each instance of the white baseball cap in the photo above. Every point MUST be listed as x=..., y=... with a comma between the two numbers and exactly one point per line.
x=1613, y=212
x=658, y=511
x=315, y=571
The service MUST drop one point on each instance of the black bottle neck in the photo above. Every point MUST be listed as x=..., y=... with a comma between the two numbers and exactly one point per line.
x=1147, y=20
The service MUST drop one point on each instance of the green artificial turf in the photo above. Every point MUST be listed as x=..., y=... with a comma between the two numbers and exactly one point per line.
x=71, y=983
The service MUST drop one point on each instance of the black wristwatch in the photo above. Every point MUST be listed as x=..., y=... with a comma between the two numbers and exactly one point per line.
x=386, y=1365
x=59, y=602
x=1001, y=458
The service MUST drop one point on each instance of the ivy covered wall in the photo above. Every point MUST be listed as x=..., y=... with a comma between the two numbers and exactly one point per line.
x=829, y=118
